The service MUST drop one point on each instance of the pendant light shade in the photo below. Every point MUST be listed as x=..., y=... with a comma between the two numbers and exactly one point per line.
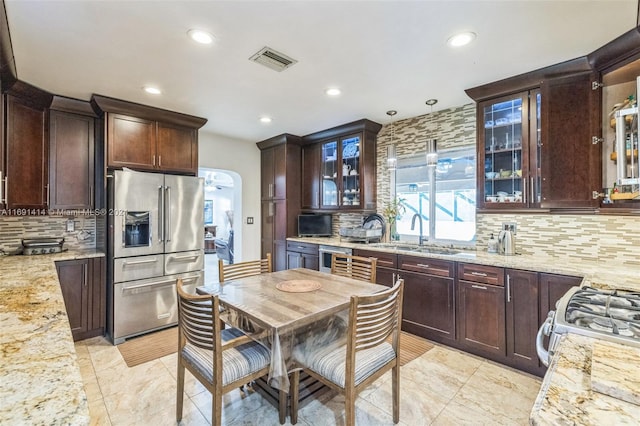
x=392, y=158
x=431, y=146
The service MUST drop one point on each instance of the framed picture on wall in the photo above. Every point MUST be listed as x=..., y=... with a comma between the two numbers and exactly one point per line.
x=208, y=212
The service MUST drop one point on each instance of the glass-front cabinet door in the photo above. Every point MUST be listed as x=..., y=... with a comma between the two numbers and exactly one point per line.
x=341, y=173
x=350, y=172
x=510, y=145
x=330, y=171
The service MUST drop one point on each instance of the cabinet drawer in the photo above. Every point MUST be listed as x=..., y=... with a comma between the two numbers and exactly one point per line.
x=385, y=260
x=439, y=267
x=481, y=274
x=299, y=247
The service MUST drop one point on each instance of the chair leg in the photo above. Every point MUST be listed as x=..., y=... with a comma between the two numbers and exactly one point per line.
x=180, y=390
x=395, y=392
x=350, y=407
x=294, y=393
x=216, y=408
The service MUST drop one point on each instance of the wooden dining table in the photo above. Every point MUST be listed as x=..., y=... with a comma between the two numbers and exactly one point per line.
x=274, y=307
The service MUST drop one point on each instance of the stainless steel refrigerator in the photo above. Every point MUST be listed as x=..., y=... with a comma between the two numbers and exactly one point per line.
x=155, y=236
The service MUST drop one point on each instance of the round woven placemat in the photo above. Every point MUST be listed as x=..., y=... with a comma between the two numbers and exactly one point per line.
x=298, y=286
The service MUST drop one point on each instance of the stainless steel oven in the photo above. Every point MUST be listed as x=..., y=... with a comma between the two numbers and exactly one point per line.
x=325, y=256
x=612, y=315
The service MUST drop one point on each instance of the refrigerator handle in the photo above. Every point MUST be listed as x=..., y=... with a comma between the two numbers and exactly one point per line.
x=168, y=213
x=161, y=214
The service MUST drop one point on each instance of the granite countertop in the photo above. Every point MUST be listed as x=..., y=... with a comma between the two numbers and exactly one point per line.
x=596, y=274
x=41, y=381
x=567, y=396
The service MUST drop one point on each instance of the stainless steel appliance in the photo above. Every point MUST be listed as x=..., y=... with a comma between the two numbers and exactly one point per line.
x=612, y=315
x=325, y=256
x=33, y=246
x=155, y=225
x=506, y=242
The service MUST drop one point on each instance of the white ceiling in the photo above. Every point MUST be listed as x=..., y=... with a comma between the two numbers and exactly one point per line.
x=382, y=54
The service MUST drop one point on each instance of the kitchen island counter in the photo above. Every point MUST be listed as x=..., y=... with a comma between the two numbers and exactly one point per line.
x=41, y=381
x=566, y=395
x=604, y=275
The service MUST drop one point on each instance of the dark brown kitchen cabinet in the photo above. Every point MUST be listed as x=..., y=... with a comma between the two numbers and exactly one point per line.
x=429, y=297
x=311, y=156
x=538, y=139
x=481, y=310
x=177, y=148
x=71, y=154
x=83, y=288
x=302, y=255
x=340, y=168
x=141, y=137
x=280, y=194
x=26, y=182
x=522, y=318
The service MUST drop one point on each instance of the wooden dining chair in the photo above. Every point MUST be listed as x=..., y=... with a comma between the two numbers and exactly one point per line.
x=367, y=354
x=358, y=267
x=243, y=269
x=221, y=360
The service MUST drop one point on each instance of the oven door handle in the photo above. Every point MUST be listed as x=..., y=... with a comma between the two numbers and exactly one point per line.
x=545, y=330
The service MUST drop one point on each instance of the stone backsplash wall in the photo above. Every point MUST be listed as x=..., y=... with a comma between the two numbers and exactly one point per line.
x=596, y=238
x=14, y=229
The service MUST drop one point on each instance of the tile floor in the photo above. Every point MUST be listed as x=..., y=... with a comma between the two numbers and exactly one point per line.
x=442, y=387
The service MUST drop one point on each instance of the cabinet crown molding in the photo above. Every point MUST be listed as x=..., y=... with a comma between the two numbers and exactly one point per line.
x=107, y=104
x=365, y=125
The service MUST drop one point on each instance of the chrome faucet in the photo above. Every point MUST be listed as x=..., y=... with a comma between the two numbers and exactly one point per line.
x=413, y=225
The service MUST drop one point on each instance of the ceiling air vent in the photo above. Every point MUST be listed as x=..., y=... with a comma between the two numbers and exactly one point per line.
x=272, y=59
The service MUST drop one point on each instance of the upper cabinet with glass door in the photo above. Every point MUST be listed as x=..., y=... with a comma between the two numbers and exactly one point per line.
x=538, y=148
x=346, y=170
x=511, y=154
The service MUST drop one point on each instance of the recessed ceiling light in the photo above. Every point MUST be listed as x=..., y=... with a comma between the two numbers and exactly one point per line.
x=461, y=39
x=200, y=36
x=265, y=120
x=152, y=90
x=333, y=91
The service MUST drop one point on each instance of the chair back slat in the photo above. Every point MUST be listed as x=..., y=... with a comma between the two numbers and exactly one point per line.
x=244, y=269
x=358, y=267
x=375, y=317
x=198, y=319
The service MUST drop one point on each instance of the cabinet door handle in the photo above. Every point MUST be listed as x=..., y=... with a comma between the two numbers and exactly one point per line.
x=340, y=198
x=423, y=265
x=533, y=192
x=271, y=190
x=525, y=195
x=46, y=188
x=508, y=288
x=393, y=279
x=159, y=160
x=271, y=209
x=6, y=190
x=91, y=202
x=479, y=274
x=479, y=287
x=1, y=188
x=154, y=160
x=84, y=269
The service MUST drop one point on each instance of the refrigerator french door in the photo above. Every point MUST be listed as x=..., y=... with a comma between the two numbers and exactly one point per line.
x=155, y=224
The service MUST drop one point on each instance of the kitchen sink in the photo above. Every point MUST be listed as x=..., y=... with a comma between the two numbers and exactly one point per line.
x=418, y=249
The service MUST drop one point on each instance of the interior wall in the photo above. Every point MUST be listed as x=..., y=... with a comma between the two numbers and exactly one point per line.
x=243, y=158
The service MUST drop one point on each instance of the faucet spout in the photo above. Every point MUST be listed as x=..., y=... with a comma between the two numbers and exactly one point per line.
x=413, y=225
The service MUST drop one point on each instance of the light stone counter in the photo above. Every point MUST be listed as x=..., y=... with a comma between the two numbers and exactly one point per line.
x=40, y=381
x=566, y=396
x=601, y=275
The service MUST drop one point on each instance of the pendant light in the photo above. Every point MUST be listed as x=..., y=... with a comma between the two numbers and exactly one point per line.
x=432, y=152
x=392, y=158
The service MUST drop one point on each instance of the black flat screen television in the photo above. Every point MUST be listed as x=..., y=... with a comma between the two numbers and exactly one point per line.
x=314, y=225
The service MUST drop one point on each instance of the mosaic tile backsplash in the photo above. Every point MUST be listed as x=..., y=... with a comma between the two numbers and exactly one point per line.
x=14, y=229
